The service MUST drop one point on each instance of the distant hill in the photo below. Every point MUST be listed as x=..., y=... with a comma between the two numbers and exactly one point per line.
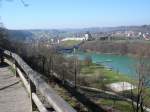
x=27, y=35
x=143, y=28
x=19, y=35
x=79, y=32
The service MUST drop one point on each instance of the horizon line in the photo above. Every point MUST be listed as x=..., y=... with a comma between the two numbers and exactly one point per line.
x=71, y=28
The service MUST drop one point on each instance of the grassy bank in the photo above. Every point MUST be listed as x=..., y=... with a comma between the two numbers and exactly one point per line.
x=98, y=76
x=122, y=47
x=116, y=106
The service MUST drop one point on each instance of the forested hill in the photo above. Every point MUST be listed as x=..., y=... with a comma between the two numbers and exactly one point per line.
x=19, y=35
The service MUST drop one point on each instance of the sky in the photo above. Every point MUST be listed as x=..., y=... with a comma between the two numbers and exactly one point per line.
x=59, y=14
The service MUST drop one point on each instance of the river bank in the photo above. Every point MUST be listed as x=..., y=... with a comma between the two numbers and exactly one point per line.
x=98, y=52
x=99, y=76
x=117, y=63
x=131, y=48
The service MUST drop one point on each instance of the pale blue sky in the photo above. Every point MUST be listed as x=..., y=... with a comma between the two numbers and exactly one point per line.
x=48, y=14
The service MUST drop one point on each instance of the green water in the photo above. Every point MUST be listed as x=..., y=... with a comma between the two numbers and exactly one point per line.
x=122, y=64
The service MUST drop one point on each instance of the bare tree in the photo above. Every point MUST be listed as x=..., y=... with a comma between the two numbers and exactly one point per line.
x=143, y=73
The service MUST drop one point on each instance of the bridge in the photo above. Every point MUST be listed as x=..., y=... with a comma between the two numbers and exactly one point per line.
x=21, y=88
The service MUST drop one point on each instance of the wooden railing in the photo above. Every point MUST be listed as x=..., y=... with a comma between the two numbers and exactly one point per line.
x=34, y=81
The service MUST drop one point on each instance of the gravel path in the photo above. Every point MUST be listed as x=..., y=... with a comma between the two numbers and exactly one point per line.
x=13, y=96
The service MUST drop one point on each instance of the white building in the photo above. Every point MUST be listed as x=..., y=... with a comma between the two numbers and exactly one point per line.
x=55, y=41
x=74, y=38
x=87, y=36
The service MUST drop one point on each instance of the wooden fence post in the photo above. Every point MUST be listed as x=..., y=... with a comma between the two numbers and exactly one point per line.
x=15, y=66
x=2, y=58
x=32, y=90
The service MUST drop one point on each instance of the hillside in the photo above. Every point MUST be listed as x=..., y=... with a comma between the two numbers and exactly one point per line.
x=28, y=35
x=19, y=35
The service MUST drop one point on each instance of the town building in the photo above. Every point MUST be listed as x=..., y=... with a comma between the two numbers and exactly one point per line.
x=87, y=36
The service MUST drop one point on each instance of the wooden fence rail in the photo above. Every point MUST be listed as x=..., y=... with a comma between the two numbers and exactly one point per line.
x=36, y=82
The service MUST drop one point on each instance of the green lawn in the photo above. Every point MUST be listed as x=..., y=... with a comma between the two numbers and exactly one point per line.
x=70, y=43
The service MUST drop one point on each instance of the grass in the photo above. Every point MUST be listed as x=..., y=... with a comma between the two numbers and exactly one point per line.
x=146, y=95
x=70, y=43
x=116, y=105
x=99, y=73
x=69, y=98
x=12, y=69
x=98, y=77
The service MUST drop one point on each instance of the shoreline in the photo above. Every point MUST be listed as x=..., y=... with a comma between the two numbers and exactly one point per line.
x=97, y=52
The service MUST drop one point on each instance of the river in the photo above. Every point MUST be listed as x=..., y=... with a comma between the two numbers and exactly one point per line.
x=119, y=63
